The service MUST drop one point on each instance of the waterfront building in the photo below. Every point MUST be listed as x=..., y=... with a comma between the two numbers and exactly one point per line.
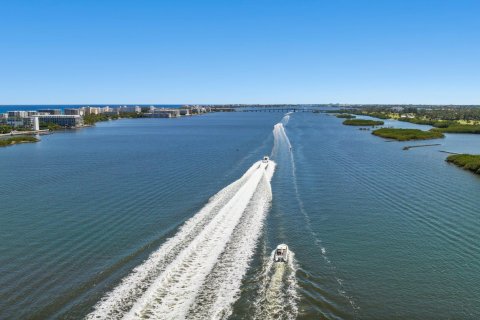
x=91, y=110
x=148, y=109
x=165, y=113
x=126, y=109
x=74, y=111
x=112, y=111
x=14, y=122
x=50, y=111
x=106, y=109
x=184, y=111
x=17, y=114
x=71, y=121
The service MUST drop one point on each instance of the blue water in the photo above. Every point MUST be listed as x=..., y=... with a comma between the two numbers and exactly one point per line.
x=377, y=232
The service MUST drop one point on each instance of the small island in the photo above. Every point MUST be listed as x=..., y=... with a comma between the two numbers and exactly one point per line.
x=466, y=161
x=362, y=122
x=16, y=140
x=407, y=134
x=345, y=116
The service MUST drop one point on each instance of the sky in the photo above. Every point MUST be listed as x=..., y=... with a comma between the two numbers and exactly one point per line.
x=239, y=51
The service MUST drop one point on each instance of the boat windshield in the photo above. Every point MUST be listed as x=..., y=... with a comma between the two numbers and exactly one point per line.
x=279, y=251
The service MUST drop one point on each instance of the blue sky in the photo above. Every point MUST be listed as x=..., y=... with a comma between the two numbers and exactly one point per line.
x=235, y=51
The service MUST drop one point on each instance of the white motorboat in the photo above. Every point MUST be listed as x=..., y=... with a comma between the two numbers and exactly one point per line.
x=281, y=253
x=265, y=159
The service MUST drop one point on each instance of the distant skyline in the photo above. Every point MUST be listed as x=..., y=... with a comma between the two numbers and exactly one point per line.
x=213, y=52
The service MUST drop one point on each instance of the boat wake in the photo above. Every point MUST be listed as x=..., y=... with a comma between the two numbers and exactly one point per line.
x=277, y=297
x=197, y=273
x=282, y=145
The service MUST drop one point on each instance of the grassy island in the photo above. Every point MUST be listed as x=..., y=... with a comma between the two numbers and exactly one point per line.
x=15, y=140
x=362, y=122
x=466, y=161
x=345, y=116
x=407, y=134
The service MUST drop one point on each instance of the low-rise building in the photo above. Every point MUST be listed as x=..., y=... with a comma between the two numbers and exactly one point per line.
x=74, y=111
x=126, y=109
x=50, y=111
x=17, y=114
x=70, y=121
x=15, y=122
x=184, y=111
x=91, y=110
x=165, y=113
x=106, y=109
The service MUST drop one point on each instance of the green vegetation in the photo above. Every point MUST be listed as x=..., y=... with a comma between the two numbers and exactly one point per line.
x=459, y=128
x=434, y=123
x=345, y=116
x=407, y=134
x=378, y=115
x=50, y=126
x=418, y=121
x=362, y=122
x=338, y=111
x=5, y=129
x=19, y=139
x=91, y=119
x=133, y=115
x=466, y=161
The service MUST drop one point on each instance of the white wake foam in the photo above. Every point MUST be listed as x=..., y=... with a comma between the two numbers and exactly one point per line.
x=283, y=145
x=167, y=284
x=277, y=297
x=222, y=287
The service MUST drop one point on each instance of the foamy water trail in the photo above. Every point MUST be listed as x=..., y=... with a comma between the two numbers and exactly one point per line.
x=222, y=286
x=286, y=118
x=283, y=141
x=277, y=297
x=166, y=285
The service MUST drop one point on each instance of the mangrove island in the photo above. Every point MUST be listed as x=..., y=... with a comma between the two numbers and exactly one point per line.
x=407, y=134
x=346, y=116
x=466, y=161
x=362, y=122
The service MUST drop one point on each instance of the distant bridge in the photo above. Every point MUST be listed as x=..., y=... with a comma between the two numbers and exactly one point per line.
x=274, y=109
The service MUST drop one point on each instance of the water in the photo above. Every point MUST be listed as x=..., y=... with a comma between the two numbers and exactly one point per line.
x=174, y=218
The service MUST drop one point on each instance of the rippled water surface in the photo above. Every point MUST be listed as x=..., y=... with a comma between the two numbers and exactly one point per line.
x=165, y=218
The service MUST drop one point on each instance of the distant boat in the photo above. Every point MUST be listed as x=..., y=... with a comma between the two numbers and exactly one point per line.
x=265, y=159
x=281, y=253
